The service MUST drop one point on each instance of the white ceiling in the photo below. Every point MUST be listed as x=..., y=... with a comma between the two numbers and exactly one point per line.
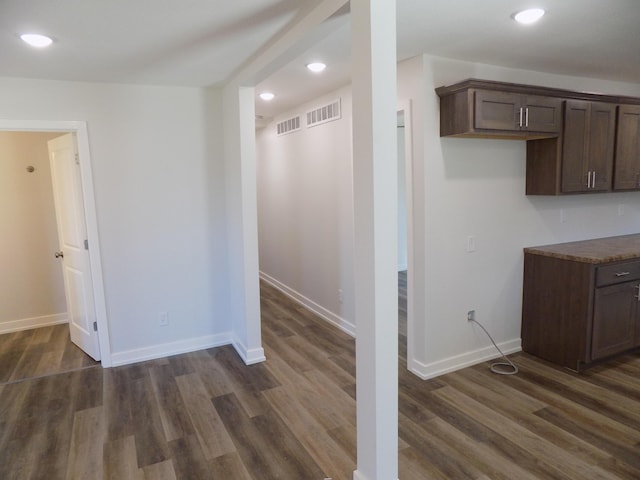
x=202, y=42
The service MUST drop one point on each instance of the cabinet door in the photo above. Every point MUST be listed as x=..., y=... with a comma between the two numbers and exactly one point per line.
x=497, y=111
x=601, y=144
x=614, y=319
x=542, y=114
x=587, y=146
x=627, y=156
x=575, y=147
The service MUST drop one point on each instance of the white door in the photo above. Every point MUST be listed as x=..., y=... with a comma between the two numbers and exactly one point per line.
x=73, y=253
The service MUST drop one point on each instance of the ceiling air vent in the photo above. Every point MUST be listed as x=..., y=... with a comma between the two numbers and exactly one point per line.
x=288, y=126
x=324, y=114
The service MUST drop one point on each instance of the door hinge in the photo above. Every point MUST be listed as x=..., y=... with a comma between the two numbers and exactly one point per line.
x=77, y=159
x=86, y=244
x=95, y=326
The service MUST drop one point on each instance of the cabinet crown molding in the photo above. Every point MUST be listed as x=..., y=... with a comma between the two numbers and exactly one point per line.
x=533, y=90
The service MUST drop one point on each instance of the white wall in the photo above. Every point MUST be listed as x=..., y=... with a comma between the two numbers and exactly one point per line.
x=476, y=187
x=159, y=187
x=305, y=211
x=31, y=286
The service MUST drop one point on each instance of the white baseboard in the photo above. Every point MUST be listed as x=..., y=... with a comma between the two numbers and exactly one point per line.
x=457, y=362
x=249, y=356
x=35, y=322
x=359, y=476
x=344, y=325
x=169, y=349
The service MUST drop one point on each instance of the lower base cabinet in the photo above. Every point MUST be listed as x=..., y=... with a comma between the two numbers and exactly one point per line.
x=574, y=313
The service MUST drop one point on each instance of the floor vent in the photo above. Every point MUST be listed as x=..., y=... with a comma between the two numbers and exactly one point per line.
x=324, y=114
x=288, y=126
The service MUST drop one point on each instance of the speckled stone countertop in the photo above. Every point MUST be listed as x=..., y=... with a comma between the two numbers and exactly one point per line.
x=598, y=250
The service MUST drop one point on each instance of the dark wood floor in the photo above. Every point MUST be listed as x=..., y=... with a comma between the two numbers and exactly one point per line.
x=38, y=352
x=205, y=415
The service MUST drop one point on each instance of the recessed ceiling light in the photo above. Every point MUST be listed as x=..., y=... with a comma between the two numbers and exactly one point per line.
x=36, y=40
x=268, y=96
x=529, y=16
x=316, y=67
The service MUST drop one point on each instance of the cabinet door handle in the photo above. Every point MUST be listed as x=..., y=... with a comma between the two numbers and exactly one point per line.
x=593, y=180
x=520, y=121
x=589, y=179
x=623, y=274
x=526, y=117
x=637, y=296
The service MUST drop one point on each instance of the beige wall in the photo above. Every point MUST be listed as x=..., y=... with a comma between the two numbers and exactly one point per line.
x=31, y=287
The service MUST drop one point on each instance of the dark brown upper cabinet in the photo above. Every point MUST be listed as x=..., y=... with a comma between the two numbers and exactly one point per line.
x=575, y=141
x=484, y=109
x=627, y=156
x=511, y=112
x=581, y=159
x=587, y=146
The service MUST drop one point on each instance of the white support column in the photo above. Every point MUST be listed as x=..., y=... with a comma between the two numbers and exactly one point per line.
x=242, y=221
x=375, y=203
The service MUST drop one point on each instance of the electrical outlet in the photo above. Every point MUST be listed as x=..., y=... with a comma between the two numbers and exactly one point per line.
x=471, y=315
x=471, y=243
x=163, y=319
x=340, y=296
x=621, y=210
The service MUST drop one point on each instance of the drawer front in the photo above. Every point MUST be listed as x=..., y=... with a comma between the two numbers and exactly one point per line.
x=618, y=273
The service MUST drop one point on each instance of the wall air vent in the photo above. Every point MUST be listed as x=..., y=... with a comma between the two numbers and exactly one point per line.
x=324, y=114
x=288, y=126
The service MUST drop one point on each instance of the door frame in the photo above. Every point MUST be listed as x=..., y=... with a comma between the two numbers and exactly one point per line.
x=88, y=195
x=405, y=106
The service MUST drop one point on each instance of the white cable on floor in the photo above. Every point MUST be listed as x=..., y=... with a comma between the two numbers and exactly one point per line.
x=497, y=367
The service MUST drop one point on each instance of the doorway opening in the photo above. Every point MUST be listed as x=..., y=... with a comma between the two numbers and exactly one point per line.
x=405, y=234
x=94, y=316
